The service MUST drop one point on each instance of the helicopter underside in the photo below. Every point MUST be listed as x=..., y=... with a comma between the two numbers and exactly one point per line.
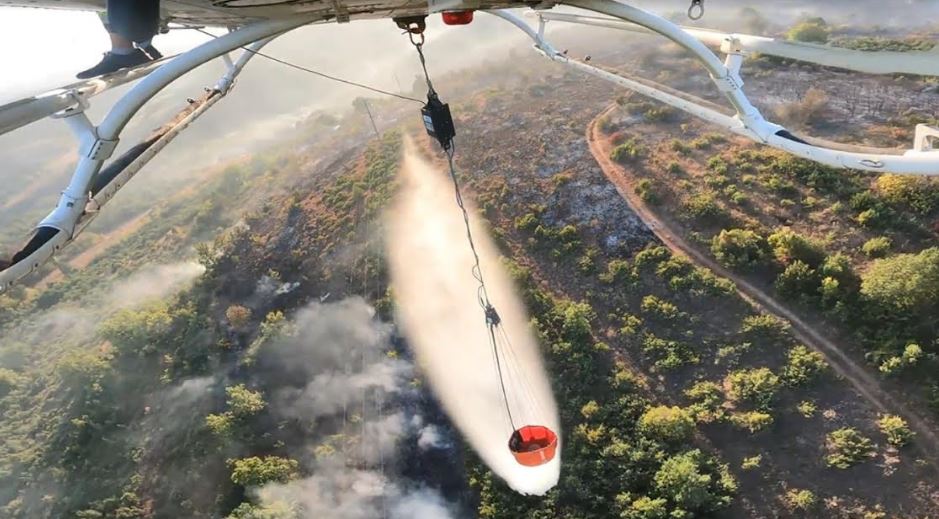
x=238, y=12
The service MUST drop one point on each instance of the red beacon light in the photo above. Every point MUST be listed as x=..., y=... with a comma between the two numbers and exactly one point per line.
x=533, y=445
x=457, y=17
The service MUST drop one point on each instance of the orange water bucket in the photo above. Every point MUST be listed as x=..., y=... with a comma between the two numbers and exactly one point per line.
x=533, y=445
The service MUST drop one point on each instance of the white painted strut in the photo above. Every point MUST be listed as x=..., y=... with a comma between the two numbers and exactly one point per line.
x=76, y=207
x=922, y=160
x=920, y=63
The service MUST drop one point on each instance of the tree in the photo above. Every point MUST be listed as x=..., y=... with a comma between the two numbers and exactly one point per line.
x=739, y=248
x=628, y=151
x=803, y=365
x=846, y=447
x=753, y=421
x=244, y=402
x=905, y=283
x=707, y=397
x=136, y=331
x=918, y=194
x=798, y=280
x=764, y=327
x=683, y=480
x=220, y=424
x=256, y=471
x=812, y=30
x=646, y=508
x=757, y=386
x=789, y=246
x=896, y=430
x=877, y=247
x=669, y=424
x=238, y=316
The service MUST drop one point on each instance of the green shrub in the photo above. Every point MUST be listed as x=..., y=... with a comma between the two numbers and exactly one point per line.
x=703, y=206
x=847, y=447
x=659, y=308
x=628, y=151
x=753, y=421
x=646, y=191
x=801, y=500
x=803, y=365
x=877, y=247
x=757, y=386
x=753, y=462
x=256, y=471
x=896, y=430
x=707, y=397
x=739, y=248
x=905, y=283
x=668, y=424
x=619, y=271
x=764, y=328
x=812, y=30
x=807, y=408
x=797, y=281
x=789, y=246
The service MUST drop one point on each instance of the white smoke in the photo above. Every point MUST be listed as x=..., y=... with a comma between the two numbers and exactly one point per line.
x=436, y=299
x=336, y=363
x=153, y=282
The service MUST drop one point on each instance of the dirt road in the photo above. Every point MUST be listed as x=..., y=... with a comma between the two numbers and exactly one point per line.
x=860, y=377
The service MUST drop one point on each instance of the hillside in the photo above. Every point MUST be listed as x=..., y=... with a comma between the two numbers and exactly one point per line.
x=235, y=354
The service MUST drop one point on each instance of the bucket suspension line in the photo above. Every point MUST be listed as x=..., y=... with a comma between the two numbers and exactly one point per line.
x=439, y=124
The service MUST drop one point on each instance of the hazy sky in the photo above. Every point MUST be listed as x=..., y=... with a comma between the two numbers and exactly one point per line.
x=44, y=49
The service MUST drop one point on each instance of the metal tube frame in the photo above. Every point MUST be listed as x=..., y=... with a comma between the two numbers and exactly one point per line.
x=922, y=160
x=75, y=208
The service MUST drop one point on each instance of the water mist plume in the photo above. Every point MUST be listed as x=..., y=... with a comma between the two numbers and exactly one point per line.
x=436, y=297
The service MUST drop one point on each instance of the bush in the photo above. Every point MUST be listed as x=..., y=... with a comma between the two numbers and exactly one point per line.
x=647, y=508
x=739, y=248
x=918, y=194
x=255, y=471
x=896, y=430
x=757, y=386
x=706, y=397
x=646, y=191
x=807, y=408
x=877, y=247
x=244, y=402
x=685, y=482
x=797, y=281
x=753, y=421
x=659, y=308
x=813, y=30
x=789, y=246
x=905, y=283
x=847, y=447
x=619, y=271
x=764, y=327
x=805, y=111
x=703, y=206
x=803, y=365
x=753, y=462
x=628, y=151
x=802, y=500
x=238, y=316
x=668, y=424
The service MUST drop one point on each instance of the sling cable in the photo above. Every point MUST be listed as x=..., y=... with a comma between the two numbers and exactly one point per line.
x=531, y=445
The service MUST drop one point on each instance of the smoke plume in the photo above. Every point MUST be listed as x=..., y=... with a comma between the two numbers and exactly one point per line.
x=437, y=305
x=335, y=372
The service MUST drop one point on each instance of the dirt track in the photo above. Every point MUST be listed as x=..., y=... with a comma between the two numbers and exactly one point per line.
x=863, y=381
